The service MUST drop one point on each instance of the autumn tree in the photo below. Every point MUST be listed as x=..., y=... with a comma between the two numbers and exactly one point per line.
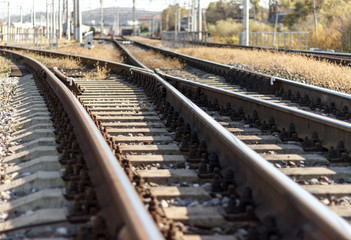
x=300, y=10
x=222, y=10
x=333, y=18
x=171, y=16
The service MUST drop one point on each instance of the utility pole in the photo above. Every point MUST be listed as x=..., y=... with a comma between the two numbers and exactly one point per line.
x=176, y=18
x=68, y=23
x=41, y=19
x=134, y=17
x=114, y=25
x=246, y=23
x=193, y=16
x=8, y=22
x=53, y=29
x=47, y=19
x=179, y=19
x=75, y=16
x=33, y=14
x=8, y=15
x=204, y=19
x=152, y=26
x=199, y=12
x=275, y=26
x=315, y=17
x=59, y=19
x=21, y=16
x=117, y=22
x=53, y=18
x=101, y=19
x=77, y=20
x=189, y=17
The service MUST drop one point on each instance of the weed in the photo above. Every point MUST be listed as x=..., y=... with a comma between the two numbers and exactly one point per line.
x=17, y=128
x=286, y=65
x=102, y=51
x=99, y=73
x=154, y=60
x=4, y=67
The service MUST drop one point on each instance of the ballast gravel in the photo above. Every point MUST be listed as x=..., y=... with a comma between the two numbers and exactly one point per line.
x=7, y=87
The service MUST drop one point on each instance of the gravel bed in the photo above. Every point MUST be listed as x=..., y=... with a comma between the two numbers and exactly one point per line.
x=7, y=87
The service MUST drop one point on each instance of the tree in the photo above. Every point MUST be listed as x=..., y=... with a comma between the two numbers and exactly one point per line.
x=171, y=16
x=334, y=22
x=301, y=10
x=273, y=5
x=222, y=10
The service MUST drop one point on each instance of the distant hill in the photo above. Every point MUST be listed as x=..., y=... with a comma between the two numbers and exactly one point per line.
x=125, y=14
x=109, y=13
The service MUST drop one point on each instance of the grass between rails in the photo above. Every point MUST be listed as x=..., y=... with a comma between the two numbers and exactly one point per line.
x=286, y=65
x=98, y=72
x=154, y=60
x=101, y=51
x=150, y=41
x=4, y=67
x=50, y=62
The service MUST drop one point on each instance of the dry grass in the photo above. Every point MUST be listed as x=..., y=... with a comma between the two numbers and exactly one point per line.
x=154, y=60
x=4, y=67
x=147, y=40
x=50, y=62
x=102, y=51
x=98, y=73
x=290, y=66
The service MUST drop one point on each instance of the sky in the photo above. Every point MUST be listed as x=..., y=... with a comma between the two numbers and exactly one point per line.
x=40, y=5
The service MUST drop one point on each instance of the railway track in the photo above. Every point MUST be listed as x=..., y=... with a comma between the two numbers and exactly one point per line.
x=195, y=168
x=335, y=57
x=293, y=156
x=318, y=100
x=47, y=189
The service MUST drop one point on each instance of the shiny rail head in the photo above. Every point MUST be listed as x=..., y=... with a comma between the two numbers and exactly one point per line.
x=138, y=223
x=329, y=226
x=301, y=210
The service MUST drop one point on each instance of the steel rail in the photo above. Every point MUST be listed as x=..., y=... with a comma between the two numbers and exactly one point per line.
x=133, y=60
x=329, y=130
x=261, y=83
x=303, y=215
x=298, y=211
x=113, y=66
x=282, y=114
x=125, y=213
x=337, y=57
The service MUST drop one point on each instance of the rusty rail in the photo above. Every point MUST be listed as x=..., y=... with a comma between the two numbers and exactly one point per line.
x=263, y=83
x=330, y=131
x=298, y=212
x=335, y=57
x=124, y=212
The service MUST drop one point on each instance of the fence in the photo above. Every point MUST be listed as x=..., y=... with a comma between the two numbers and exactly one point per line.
x=183, y=39
x=28, y=37
x=285, y=40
